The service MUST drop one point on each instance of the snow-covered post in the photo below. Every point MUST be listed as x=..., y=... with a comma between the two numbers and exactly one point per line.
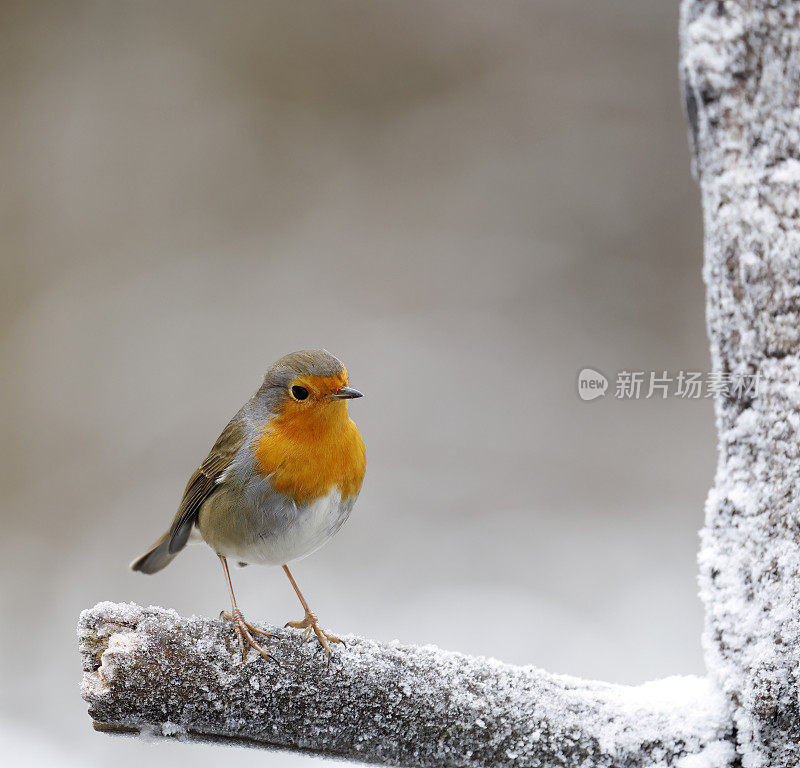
x=741, y=76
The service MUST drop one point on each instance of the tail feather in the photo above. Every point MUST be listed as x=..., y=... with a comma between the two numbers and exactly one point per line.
x=156, y=558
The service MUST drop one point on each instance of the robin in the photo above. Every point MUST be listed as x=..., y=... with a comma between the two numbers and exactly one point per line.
x=281, y=479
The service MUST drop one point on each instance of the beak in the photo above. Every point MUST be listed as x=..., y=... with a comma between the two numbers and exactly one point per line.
x=346, y=393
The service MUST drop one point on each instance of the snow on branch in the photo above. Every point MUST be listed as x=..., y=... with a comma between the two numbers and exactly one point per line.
x=149, y=669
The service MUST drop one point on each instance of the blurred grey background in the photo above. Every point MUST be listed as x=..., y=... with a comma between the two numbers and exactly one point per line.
x=465, y=201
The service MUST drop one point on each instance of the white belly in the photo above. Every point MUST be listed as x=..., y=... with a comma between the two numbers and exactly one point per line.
x=247, y=520
x=286, y=531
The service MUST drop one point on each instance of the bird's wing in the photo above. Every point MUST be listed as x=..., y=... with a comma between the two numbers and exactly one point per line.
x=205, y=481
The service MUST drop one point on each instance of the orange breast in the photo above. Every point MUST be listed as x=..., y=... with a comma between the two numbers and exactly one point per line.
x=309, y=453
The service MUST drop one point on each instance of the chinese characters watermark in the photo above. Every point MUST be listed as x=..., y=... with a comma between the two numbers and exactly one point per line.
x=685, y=385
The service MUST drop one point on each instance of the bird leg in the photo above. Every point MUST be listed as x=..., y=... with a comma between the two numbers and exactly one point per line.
x=309, y=622
x=243, y=628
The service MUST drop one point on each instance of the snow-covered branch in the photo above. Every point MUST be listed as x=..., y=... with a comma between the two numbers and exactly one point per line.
x=148, y=668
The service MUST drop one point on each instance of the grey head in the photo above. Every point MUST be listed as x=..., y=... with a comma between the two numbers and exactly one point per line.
x=306, y=362
x=275, y=390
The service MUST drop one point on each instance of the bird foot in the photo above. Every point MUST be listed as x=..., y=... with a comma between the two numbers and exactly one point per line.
x=243, y=630
x=309, y=624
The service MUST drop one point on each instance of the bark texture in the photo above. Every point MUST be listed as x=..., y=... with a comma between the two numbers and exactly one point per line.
x=741, y=77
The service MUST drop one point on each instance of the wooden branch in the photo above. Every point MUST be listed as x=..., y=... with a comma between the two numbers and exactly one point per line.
x=148, y=668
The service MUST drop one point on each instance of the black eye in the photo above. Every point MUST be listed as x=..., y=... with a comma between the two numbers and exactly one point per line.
x=299, y=393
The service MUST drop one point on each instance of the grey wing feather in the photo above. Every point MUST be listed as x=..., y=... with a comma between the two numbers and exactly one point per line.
x=200, y=487
x=205, y=481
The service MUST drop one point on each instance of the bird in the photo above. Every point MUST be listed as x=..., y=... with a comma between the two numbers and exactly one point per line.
x=279, y=482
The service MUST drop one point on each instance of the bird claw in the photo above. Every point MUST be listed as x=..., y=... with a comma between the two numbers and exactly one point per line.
x=229, y=617
x=243, y=630
x=310, y=625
